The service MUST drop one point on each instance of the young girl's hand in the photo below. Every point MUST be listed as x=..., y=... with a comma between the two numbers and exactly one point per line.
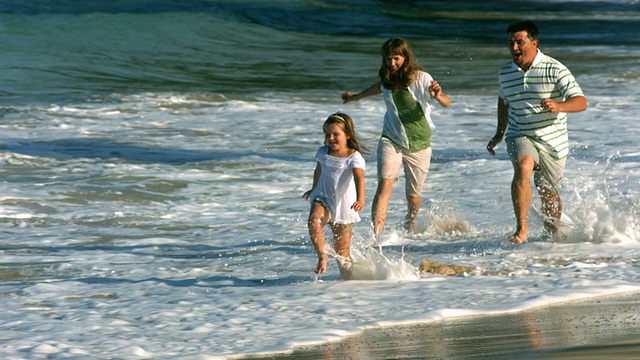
x=357, y=206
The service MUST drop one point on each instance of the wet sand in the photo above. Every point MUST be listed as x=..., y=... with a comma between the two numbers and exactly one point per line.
x=600, y=328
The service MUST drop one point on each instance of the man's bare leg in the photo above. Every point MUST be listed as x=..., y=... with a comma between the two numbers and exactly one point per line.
x=521, y=196
x=552, y=209
x=380, y=205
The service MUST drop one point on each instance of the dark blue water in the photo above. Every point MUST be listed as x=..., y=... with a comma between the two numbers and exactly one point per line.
x=71, y=49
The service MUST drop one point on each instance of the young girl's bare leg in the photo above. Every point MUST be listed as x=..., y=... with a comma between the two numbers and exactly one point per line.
x=342, y=244
x=318, y=218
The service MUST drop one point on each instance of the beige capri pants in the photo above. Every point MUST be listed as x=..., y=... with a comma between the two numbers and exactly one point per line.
x=416, y=165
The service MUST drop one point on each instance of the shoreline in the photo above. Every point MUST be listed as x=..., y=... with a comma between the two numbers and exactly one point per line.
x=602, y=327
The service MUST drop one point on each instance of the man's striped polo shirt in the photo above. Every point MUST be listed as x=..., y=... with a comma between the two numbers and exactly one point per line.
x=523, y=92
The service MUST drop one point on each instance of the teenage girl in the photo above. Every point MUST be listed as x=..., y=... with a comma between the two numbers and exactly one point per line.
x=338, y=191
x=406, y=133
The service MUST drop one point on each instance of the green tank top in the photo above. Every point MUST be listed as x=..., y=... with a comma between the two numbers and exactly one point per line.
x=413, y=120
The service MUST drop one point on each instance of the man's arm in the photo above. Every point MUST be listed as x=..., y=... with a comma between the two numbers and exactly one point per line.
x=503, y=121
x=574, y=104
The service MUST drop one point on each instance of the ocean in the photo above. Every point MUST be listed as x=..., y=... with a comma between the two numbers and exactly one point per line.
x=154, y=154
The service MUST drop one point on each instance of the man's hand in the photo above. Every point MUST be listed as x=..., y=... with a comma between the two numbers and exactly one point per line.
x=492, y=144
x=550, y=105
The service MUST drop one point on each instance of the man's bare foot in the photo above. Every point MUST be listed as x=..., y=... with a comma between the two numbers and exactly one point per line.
x=551, y=226
x=557, y=230
x=517, y=239
x=322, y=264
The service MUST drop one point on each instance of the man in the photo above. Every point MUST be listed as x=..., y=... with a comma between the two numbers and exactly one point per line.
x=536, y=93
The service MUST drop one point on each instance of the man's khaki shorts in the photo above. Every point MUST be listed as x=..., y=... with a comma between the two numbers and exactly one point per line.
x=548, y=172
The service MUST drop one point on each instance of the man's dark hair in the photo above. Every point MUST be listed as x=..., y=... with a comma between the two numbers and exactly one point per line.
x=526, y=25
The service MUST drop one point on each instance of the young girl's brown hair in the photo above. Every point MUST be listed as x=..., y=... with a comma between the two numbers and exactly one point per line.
x=349, y=129
x=406, y=74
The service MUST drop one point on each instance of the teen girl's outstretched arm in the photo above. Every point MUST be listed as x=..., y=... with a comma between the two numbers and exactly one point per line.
x=316, y=177
x=358, y=177
x=370, y=91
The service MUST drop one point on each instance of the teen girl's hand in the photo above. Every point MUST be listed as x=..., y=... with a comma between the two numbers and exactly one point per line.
x=435, y=90
x=370, y=91
x=357, y=206
x=348, y=96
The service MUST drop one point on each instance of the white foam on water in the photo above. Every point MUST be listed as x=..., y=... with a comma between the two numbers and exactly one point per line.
x=182, y=249
x=171, y=224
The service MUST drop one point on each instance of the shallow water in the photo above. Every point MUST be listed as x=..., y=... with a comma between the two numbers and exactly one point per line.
x=154, y=156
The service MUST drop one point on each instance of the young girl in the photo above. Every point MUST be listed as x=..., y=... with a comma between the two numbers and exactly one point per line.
x=338, y=190
x=406, y=133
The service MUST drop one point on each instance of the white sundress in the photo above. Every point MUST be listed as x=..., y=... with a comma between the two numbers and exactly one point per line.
x=336, y=187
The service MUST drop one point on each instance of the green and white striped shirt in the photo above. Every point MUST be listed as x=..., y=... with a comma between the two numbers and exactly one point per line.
x=523, y=91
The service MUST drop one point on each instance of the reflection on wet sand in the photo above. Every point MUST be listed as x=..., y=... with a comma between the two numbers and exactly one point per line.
x=565, y=331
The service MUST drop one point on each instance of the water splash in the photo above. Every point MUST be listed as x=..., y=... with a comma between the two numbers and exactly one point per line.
x=369, y=263
x=601, y=220
x=599, y=213
x=442, y=219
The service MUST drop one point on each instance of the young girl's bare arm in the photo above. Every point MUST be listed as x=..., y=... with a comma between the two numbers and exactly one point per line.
x=316, y=177
x=358, y=177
